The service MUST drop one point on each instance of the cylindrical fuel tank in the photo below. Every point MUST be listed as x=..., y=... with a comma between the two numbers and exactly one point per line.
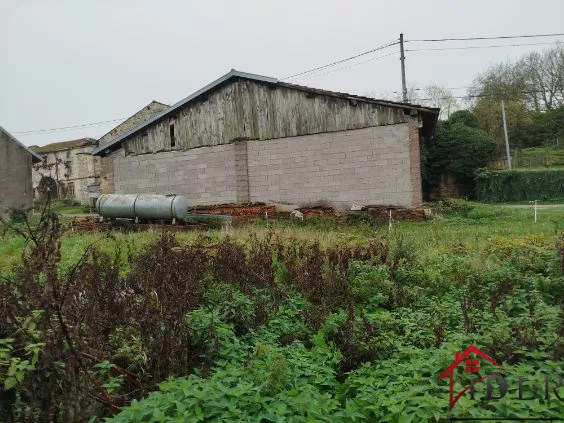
x=116, y=206
x=162, y=207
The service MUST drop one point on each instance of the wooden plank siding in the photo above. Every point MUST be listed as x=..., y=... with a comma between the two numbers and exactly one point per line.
x=245, y=109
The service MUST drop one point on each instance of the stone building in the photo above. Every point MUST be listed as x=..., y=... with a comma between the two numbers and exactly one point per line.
x=250, y=138
x=68, y=171
x=107, y=163
x=16, y=159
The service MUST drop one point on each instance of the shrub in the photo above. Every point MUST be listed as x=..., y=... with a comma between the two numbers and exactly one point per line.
x=520, y=185
x=18, y=215
x=460, y=148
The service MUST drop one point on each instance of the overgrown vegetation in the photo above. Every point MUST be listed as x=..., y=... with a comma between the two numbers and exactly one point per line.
x=540, y=129
x=539, y=157
x=275, y=327
x=459, y=149
x=531, y=88
x=519, y=185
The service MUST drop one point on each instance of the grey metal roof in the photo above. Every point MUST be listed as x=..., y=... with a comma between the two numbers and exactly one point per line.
x=36, y=157
x=238, y=74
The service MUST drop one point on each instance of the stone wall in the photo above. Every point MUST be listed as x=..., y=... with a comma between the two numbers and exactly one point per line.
x=74, y=170
x=378, y=165
x=15, y=175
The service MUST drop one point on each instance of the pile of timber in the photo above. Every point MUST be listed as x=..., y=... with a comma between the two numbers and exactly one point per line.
x=86, y=223
x=321, y=211
x=239, y=212
x=381, y=213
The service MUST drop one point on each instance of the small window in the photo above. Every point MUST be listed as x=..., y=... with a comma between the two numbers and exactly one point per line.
x=172, y=139
x=68, y=167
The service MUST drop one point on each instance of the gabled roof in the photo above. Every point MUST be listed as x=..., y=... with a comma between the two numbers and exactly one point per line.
x=64, y=145
x=233, y=74
x=35, y=157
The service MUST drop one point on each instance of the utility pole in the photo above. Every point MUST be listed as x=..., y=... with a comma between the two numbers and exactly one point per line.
x=505, y=132
x=402, y=60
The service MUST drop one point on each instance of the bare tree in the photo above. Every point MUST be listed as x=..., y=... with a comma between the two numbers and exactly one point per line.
x=441, y=97
x=543, y=74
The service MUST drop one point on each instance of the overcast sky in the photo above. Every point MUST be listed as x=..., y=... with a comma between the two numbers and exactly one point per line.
x=66, y=63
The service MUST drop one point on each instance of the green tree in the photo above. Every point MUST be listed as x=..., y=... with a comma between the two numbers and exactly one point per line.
x=465, y=117
x=543, y=129
x=459, y=148
x=530, y=86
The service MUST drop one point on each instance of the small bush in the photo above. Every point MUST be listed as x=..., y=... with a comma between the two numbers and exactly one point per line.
x=457, y=207
x=18, y=215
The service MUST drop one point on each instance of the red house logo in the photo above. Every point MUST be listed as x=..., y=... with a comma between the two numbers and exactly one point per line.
x=472, y=365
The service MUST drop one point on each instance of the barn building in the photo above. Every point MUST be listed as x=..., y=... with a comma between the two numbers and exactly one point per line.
x=251, y=138
x=16, y=191
x=68, y=171
x=107, y=163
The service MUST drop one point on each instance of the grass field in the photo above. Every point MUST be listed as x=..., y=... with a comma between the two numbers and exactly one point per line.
x=474, y=226
x=292, y=321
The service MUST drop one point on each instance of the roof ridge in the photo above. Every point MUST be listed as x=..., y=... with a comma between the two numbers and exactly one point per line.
x=65, y=145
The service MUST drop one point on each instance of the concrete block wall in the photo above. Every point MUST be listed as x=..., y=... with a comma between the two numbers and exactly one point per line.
x=205, y=175
x=363, y=166
x=376, y=165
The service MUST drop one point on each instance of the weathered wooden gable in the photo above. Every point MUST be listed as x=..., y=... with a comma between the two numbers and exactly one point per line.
x=254, y=110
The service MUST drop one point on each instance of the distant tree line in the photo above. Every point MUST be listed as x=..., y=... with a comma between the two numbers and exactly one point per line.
x=532, y=89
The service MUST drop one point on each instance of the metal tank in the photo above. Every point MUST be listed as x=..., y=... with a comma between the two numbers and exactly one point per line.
x=140, y=206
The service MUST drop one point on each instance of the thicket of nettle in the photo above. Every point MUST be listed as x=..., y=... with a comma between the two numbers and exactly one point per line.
x=274, y=329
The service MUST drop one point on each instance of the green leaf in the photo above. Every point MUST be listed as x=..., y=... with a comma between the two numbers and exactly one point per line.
x=9, y=383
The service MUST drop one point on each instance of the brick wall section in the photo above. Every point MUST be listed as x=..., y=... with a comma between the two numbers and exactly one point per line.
x=447, y=186
x=241, y=172
x=15, y=175
x=415, y=164
x=205, y=175
x=364, y=166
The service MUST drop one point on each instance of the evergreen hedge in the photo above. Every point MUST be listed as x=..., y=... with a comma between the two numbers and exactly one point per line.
x=498, y=186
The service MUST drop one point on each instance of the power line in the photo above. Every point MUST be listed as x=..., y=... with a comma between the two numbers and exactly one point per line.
x=503, y=37
x=511, y=96
x=480, y=47
x=392, y=43
x=36, y=131
x=389, y=44
x=347, y=67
